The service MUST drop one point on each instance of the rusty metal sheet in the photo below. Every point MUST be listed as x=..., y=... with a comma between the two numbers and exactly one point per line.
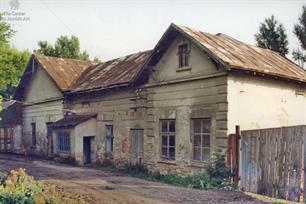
x=111, y=73
x=63, y=71
x=242, y=56
x=72, y=120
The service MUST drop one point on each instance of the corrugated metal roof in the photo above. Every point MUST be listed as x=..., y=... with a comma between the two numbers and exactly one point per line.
x=72, y=120
x=115, y=72
x=62, y=70
x=238, y=55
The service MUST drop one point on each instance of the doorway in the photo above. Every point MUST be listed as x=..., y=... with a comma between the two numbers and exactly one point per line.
x=137, y=146
x=87, y=149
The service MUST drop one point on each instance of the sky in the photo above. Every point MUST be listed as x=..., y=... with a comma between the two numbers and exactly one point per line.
x=109, y=29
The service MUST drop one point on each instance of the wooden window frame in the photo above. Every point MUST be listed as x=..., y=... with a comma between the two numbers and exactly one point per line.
x=183, y=55
x=167, y=134
x=202, y=135
x=63, y=136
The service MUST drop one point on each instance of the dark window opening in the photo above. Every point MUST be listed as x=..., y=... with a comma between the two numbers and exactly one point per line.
x=183, y=55
x=33, y=126
x=167, y=132
x=109, y=138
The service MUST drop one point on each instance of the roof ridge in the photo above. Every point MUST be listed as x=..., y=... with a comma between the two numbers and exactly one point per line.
x=64, y=58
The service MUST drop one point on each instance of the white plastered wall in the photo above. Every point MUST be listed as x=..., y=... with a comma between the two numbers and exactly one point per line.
x=256, y=103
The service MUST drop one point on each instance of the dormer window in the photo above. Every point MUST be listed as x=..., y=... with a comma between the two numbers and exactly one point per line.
x=183, y=55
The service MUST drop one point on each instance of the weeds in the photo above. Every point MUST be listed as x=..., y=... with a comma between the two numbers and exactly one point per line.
x=216, y=176
x=20, y=188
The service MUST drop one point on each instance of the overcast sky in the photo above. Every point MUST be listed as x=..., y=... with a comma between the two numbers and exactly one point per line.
x=109, y=29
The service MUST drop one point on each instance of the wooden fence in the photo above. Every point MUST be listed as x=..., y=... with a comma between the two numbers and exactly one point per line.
x=6, y=139
x=272, y=161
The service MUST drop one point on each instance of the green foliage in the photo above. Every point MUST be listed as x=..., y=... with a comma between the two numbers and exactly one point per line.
x=135, y=169
x=217, y=175
x=6, y=32
x=299, y=30
x=217, y=166
x=64, y=47
x=272, y=35
x=1, y=100
x=97, y=60
x=70, y=160
x=12, y=62
x=12, y=65
x=19, y=188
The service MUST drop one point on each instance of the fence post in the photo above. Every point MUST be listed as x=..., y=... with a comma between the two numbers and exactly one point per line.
x=237, y=149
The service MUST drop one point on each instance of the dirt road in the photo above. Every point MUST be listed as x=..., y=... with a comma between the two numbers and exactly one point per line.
x=105, y=187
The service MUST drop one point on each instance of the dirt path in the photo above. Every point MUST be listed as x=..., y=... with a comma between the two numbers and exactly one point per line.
x=104, y=187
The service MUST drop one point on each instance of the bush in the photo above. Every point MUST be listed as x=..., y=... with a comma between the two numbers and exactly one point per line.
x=67, y=159
x=216, y=176
x=135, y=169
x=20, y=188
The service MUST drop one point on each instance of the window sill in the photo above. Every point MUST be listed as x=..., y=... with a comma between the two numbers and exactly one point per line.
x=63, y=152
x=164, y=161
x=186, y=68
x=198, y=164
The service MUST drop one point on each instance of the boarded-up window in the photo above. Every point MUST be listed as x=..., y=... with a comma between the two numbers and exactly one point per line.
x=109, y=136
x=167, y=133
x=183, y=55
x=33, y=126
x=63, y=141
x=201, y=133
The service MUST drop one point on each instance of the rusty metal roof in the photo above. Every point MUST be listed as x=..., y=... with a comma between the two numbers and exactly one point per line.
x=63, y=71
x=237, y=55
x=120, y=71
x=70, y=121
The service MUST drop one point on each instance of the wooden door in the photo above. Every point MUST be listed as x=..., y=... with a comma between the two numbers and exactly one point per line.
x=137, y=146
x=87, y=150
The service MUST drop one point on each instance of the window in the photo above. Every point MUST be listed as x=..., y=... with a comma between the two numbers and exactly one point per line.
x=183, y=55
x=33, y=126
x=201, y=139
x=109, y=138
x=167, y=132
x=63, y=141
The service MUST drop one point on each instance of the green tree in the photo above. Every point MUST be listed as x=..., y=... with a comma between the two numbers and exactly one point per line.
x=64, y=47
x=299, y=30
x=6, y=32
x=12, y=65
x=97, y=60
x=272, y=35
x=12, y=62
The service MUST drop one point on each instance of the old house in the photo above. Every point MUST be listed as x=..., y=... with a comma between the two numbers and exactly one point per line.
x=171, y=107
x=41, y=94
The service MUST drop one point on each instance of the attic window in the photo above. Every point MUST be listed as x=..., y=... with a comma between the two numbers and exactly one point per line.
x=183, y=55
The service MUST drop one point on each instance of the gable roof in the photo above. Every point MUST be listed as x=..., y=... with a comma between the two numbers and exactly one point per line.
x=62, y=71
x=113, y=73
x=72, y=120
x=233, y=54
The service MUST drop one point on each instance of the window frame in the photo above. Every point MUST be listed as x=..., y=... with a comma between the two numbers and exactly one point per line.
x=111, y=139
x=183, y=55
x=167, y=134
x=34, y=135
x=61, y=136
x=202, y=135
